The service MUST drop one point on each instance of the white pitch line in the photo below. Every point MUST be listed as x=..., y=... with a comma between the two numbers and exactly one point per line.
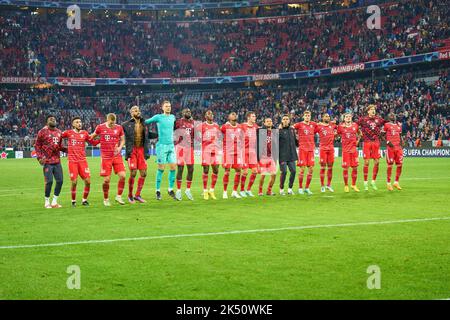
x=59, y=244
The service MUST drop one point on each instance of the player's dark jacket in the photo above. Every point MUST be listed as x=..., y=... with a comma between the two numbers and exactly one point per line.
x=288, y=144
x=128, y=128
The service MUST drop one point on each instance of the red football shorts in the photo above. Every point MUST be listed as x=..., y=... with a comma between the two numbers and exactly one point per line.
x=136, y=161
x=210, y=157
x=232, y=162
x=185, y=155
x=326, y=157
x=306, y=159
x=349, y=159
x=79, y=168
x=108, y=164
x=250, y=161
x=371, y=150
x=267, y=166
x=394, y=155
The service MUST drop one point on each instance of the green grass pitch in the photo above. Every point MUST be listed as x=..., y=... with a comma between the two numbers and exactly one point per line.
x=328, y=261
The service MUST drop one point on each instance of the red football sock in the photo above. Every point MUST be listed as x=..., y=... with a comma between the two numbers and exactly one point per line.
x=87, y=188
x=308, y=180
x=105, y=190
x=330, y=175
x=120, y=186
x=375, y=172
x=398, y=173
x=366, y=172
x=300, y=180
x=141, y=182
x=226, y=178
x=345, y=172
x=237, y=178
x=188, y=184
x=205, y=181
x=179, y=184
x=73, y=191
x=130, y=187
x=389, y=173
x=243, y=178
x=322, y=176
x=354, y=176
x=251, y=181
x=213, y=180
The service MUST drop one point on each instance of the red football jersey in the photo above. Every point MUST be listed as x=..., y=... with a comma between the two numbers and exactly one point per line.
x=109, y=139
x=326, y=135
x=249, y=133
x=186, y=130
x=48, y=145
x=306, y=134
x=371, y=127
x=76, y=144
x=210, y=134
x=232, y=135
x=393, y=132
x=349, y=137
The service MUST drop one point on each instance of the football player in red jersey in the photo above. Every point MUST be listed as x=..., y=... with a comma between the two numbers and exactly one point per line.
x=210, y=138
x=370, y=127
x=394, y=142
x=250, y=156
x=184, y=149
x=48, y=146
x=232, y=153
x=305, y=132
x=267, y=163
x=78, y=166
x=112, y=140
x=327, y=132
x=349, y=132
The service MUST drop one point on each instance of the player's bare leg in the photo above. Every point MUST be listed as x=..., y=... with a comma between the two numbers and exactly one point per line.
x=244, y=173
x=141, y=180
x=105, y=186
x=87, y=188
x=261, y=185
x=270, y=186
x=308, y=180
x=120, y=187
x=131, y=179
x=190, y=174
x=180, y=171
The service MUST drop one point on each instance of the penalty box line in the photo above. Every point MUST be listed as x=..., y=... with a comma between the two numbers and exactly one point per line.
x=205, y=234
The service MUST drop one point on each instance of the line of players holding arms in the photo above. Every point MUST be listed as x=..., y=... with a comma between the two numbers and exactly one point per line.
x=241, y=149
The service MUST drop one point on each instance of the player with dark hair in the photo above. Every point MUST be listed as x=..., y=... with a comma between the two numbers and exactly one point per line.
x=112, y=140
x=371, y=126
x=305, y=132
x=232, y=153
x=288, y=144
x=210, y=139
x=327, y=132
x=394, y=141
x=250, y=156
x=349, y=132
x=48, y=146
x=184, y=150
x=78, y=166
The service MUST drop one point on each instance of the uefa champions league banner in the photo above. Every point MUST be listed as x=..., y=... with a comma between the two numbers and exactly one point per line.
x=372, y=65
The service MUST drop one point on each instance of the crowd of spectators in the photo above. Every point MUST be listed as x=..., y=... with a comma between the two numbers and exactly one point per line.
x=422, y=107
x=42, y=45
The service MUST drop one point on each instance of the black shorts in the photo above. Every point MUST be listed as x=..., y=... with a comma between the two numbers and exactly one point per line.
x=53, y=170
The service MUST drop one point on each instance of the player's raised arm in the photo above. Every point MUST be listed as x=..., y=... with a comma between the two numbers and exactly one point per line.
x=153, y=119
